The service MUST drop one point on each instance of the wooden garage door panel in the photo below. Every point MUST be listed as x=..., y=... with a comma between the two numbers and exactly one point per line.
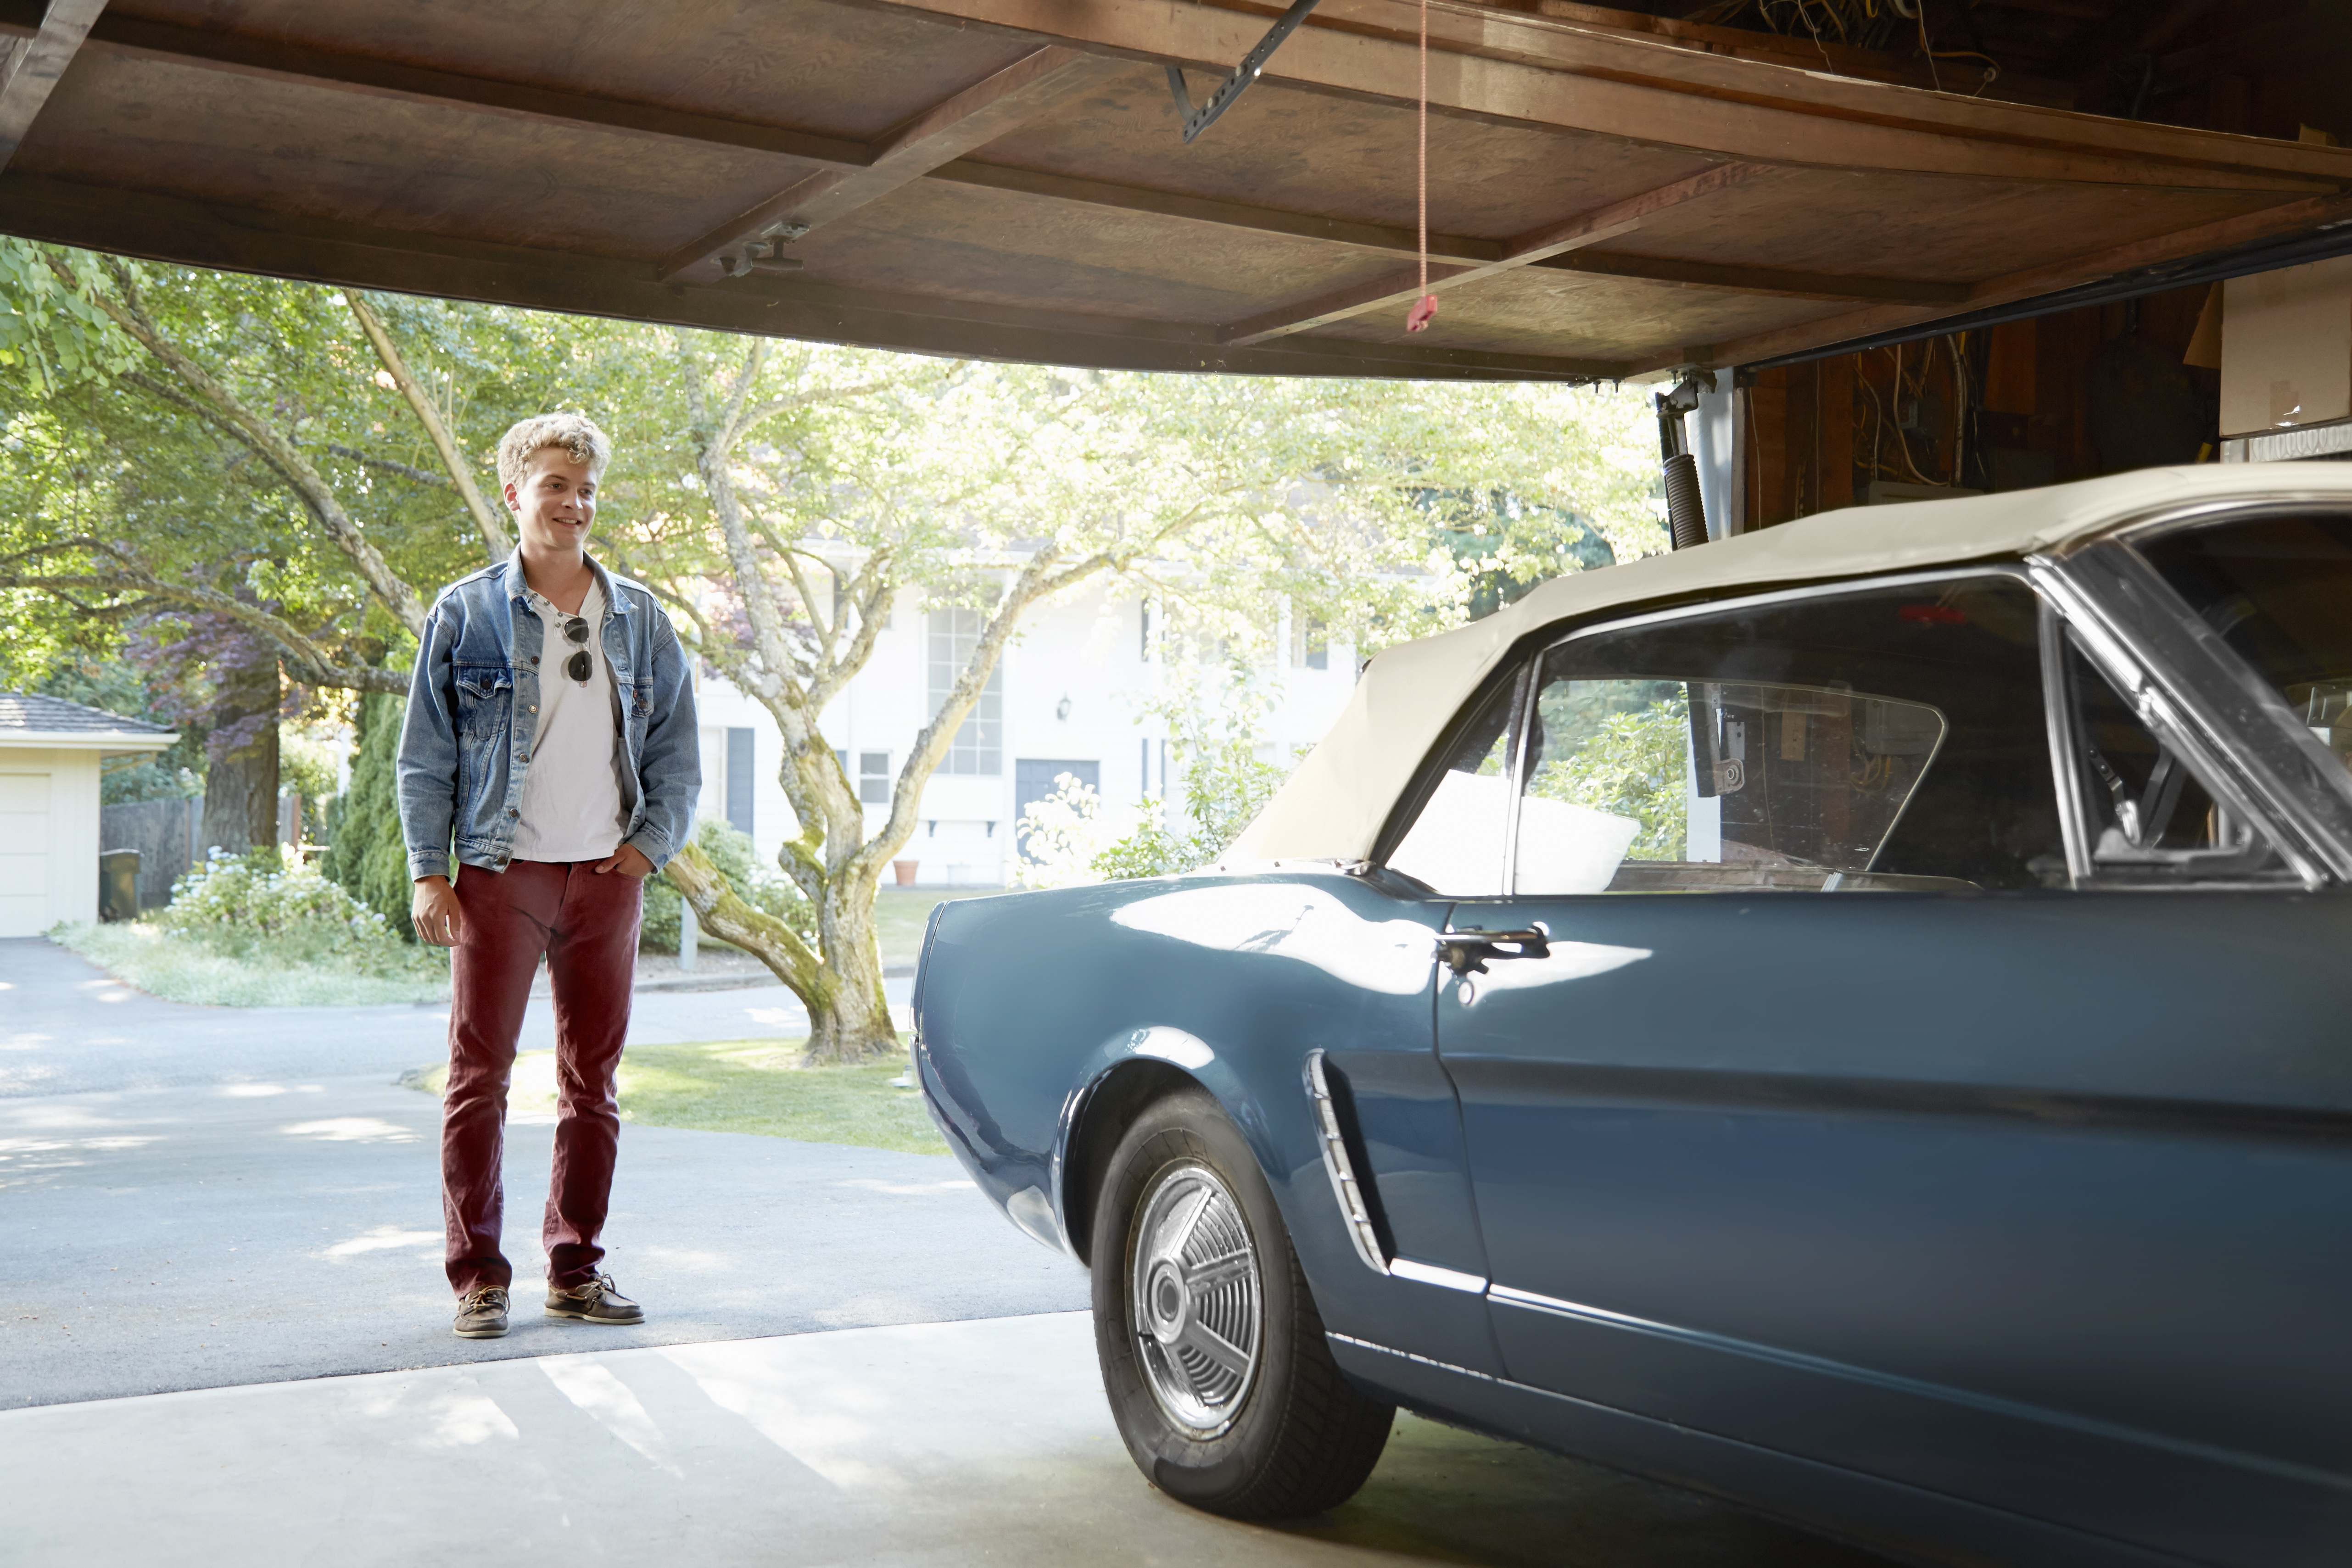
x=22, y=792
x=26, y=872
x=24, y=854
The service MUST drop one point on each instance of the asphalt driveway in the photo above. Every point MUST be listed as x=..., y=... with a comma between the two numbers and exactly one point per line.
x=202, y=1196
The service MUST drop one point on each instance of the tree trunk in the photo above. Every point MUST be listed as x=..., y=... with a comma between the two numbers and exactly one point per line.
x=849, y=1016
x=857, y=1027
x=241, y=782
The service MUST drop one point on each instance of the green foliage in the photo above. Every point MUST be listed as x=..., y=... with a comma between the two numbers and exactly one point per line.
x=307, y=764
x=51, y=335
x=759, y=885
x=254, y=907
x=113, y=686
x=1501, y=547
x=1627, y=760
x=1225, y=786
x=368, y=856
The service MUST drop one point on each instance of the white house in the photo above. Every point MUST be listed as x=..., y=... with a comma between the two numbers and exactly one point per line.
x=50, y=752
x=1071, y=693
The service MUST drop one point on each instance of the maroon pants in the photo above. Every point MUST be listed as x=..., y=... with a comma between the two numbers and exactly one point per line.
x=586, y=924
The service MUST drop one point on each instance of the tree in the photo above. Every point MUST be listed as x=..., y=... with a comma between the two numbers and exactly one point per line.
x=216, y=459
x=367, y=854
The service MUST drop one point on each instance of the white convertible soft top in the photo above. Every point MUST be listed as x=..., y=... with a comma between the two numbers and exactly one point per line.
x=1334, y=805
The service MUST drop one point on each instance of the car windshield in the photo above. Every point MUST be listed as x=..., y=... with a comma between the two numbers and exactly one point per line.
x=2278, y=591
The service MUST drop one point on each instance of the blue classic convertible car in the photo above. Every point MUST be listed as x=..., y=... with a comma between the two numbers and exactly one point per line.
x=1515, y=1068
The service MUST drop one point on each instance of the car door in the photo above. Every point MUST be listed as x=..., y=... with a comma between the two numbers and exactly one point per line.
x=1810, y=1102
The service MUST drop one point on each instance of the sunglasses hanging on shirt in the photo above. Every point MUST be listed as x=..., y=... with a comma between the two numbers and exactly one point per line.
x=582, y=665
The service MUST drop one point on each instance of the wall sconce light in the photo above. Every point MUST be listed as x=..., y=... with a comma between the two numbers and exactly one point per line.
x=1062, y=708
x=991, y=831
x=931, y=829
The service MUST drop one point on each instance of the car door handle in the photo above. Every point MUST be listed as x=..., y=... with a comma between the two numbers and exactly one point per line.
x=1466, y=951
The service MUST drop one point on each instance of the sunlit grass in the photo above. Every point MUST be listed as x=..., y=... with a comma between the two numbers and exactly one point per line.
x=743, y=1086
x=900, y=916
x=179, y=971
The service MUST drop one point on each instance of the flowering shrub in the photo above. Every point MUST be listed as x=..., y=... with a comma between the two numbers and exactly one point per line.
x=256, y=906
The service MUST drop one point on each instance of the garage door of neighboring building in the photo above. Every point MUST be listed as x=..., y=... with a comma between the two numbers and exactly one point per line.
x=1032, y=780
x=25, y=853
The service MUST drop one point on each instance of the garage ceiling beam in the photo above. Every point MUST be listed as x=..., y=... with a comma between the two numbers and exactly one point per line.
x=332, y=251
x=1531, y=71
x=244, y=55
x=1733, y=278
x=1604, y=222
x=1386, y=239
x=971, y=119
x=1501, y=67
x=1389, y=240
x=2030, y=283
x=30, y=67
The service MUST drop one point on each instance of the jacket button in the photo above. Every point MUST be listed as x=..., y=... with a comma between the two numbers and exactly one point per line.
x=512, y=812
x=535, y=658
x=534, y=707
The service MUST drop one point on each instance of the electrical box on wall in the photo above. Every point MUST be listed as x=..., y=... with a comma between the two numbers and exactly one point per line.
x=2286, y=348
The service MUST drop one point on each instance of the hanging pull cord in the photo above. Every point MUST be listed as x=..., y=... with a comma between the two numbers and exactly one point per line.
x=1417, y=320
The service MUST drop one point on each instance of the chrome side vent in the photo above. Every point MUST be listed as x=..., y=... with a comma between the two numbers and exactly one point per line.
x=1353, y=1209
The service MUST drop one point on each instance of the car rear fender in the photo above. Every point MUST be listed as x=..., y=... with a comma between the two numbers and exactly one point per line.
x=1132, y=1070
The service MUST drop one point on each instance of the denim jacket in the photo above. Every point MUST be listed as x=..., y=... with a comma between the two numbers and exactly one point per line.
x=462, y=757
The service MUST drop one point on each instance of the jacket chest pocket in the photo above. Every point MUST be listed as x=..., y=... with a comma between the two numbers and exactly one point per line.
x=485, y=693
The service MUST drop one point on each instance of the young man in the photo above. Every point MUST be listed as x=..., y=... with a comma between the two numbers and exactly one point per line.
x=550, y=731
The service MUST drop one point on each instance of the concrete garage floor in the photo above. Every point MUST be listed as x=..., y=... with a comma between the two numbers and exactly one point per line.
x=242, y=1207
x=938, y=1445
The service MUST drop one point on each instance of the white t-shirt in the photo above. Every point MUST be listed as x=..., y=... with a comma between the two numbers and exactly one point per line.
x=571, y=794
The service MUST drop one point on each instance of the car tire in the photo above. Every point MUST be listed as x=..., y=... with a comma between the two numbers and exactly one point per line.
x=1193, y=1265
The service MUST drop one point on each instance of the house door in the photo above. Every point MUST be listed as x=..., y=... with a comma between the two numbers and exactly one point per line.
x=1032, y=780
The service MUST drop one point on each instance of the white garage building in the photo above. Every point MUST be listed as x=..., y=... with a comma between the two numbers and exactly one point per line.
x=49, y=756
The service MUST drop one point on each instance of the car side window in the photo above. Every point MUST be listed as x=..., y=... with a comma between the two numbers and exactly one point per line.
x=1884, y=738
x=1456, y=844
x=2149, y=818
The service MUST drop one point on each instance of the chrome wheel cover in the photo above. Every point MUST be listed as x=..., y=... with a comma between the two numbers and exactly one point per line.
x=1195, y=1300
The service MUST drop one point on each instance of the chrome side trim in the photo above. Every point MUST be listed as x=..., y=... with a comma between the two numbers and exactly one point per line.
x=1431, y=1274
x=2057, y=713
x=1823, y=1365
x=1353, y=1210
x=1424, y=1360
x=1523, y=698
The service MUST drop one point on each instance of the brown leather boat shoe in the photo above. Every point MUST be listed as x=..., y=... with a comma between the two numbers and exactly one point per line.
x=594, y=1302
x=482, y=1314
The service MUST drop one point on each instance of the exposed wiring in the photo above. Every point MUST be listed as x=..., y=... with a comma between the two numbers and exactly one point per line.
x=1858, y=24
x=1902, y=444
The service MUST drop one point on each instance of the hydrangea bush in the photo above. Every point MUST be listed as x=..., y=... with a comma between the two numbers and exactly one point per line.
x=257, y=907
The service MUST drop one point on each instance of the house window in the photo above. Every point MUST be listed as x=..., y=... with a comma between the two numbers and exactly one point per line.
x=979, y=744
x=873, y=777
x=1310, y=644
x=738, y=779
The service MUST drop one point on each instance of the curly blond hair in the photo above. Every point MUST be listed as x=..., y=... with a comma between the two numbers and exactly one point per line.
x=568, y=428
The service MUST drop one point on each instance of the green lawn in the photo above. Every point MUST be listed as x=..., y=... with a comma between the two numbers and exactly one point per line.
x=180, y=970
x=900, y=914
x=743, y=1086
